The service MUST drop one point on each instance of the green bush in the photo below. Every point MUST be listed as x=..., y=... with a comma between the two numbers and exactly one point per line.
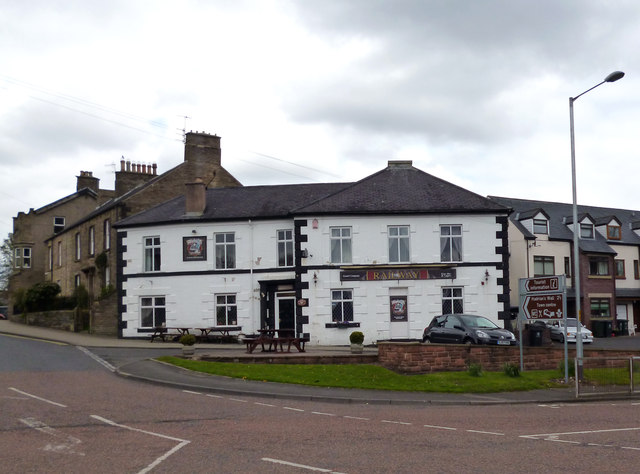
x=107, y=291
x=475, y=370
x=356, y=337
x=41, y=296
x=188, y=340
x=511, y=370
x=81, y=295
x=102, y=261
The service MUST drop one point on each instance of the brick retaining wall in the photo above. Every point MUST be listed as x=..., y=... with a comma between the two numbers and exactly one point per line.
x=417, y=358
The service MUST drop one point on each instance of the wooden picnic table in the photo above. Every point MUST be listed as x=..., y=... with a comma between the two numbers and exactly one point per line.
x=270, y=339
x=163, y=331
x=223, y=330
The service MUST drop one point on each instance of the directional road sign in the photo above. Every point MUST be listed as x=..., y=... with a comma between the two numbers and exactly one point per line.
x=543, y=306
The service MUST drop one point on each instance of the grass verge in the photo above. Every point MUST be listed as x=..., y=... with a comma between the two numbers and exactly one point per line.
x=373, y=377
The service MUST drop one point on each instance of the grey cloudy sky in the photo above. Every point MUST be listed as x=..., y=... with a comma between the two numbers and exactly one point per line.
x=474, y=92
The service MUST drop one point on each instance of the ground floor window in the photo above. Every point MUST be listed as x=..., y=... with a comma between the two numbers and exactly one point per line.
x=342, y=305
x=226, y=310
x=452, y=301
x=600, y=308
x=153, y=311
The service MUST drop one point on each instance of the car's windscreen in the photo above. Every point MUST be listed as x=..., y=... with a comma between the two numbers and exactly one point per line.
x=478, y=322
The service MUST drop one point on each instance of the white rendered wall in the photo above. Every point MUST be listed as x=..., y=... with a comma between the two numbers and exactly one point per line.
x=190, y=298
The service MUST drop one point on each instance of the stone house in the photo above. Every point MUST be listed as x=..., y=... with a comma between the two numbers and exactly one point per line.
x=31, y=229
x=84, y=252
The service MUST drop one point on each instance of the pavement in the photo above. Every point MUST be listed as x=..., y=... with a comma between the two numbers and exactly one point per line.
x=133, y=359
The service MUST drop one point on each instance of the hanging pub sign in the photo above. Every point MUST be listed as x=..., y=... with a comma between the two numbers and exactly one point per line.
x=194, y=248
x=379, y=274
x=398, y=308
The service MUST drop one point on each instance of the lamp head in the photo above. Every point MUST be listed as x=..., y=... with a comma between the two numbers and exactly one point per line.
x=614, y=76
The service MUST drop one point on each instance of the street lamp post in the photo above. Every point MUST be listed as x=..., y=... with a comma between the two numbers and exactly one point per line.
x=614, y=76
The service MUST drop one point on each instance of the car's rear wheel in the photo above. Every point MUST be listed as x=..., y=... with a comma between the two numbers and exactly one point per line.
x=468, y=341
x=426, y=340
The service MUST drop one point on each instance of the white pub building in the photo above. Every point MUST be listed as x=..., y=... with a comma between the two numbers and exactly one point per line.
x=384, y=255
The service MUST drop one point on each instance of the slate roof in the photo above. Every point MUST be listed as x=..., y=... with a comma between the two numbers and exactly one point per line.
x=398, y=189
x=561, y=214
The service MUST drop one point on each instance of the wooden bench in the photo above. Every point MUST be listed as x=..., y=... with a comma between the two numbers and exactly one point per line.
x=253, y=342
x=162, y=332
x=274, y=343
x=225, y=331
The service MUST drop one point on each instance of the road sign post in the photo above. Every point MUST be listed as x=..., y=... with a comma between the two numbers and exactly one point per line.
x=544, y=299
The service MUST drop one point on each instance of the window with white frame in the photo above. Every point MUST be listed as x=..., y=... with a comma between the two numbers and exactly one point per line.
x=226, y=310
x=152, y=254
x=58, y=224
x=50, y=257
x=285, y=248
x=153, y=311
x=76, y=280
x=340, y=244
x=452, y=301
x=451, y=243
x=59, y=253
x=22, y=257
x=106, y=234
x=225, y=250
x=78, y=248
x=398, y=244
x=342, y=305
x=92, y=240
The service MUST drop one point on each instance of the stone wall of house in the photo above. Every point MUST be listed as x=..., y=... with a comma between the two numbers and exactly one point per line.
x=68, y=320
x=104, y=316
x=417, y=358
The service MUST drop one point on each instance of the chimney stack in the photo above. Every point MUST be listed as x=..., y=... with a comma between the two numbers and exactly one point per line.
x=86, y=180
x=200, y=146
x=195, y=198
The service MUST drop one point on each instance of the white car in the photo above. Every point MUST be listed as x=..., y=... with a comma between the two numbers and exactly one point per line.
x=558, y=331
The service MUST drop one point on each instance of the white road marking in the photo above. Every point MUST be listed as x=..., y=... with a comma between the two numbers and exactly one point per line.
x=556, y=435
x=237, y=400
x=264, y=404
x=485, y=432
x=301, y=466
x=396, y=422
x=38, y=398
x=191, y=392
x=214, y=396
x=98, y=359
x=440, y=427
x=356, y=418
x=67, y=444
x=181, y=442
x=321, y=413
x=550, y=406
x=292, y=409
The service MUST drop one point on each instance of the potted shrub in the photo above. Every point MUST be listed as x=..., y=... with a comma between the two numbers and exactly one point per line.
x=356, y=338
x=187, y=341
